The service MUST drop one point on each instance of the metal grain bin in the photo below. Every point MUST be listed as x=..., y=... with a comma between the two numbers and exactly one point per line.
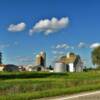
x=59, y=67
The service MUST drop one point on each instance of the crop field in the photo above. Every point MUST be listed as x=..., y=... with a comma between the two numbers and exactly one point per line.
x=35, y=85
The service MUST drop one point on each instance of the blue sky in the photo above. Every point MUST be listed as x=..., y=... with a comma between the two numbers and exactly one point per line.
x=57, y=27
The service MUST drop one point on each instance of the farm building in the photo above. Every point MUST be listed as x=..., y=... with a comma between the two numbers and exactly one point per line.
x=11, y=67
x=73, y=62
x=2, y=66
x=34, y=68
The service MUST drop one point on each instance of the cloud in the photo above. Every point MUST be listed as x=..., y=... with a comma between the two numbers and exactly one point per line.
x=58, y=52
x=61, y=46
x=50, y=26
x=72, y=47
x=94, y=45
x=54, y=52
x=17, y=28
x=81, y=45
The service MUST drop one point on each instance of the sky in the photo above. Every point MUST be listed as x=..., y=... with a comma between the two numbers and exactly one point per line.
x=54, y=26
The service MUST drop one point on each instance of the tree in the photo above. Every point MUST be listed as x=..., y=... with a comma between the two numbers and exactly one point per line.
x=0, y=58
x=50, y=67
x=96, y=56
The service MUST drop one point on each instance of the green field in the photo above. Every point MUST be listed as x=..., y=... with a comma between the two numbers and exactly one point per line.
x=35, y=85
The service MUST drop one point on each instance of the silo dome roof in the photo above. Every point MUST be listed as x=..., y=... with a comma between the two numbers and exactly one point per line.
x=42, y=52
x=37, y=56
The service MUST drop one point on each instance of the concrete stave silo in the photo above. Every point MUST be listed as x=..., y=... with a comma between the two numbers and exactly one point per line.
x=38, y=60
x=41, y=59
x=43, y=55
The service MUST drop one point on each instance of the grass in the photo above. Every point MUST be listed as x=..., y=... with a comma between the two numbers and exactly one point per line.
x=35, y=85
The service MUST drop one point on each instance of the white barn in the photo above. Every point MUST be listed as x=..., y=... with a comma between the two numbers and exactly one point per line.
x=73, y=62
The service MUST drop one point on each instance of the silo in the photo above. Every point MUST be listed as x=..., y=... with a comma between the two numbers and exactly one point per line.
x=59, y=67
x=43, y=55
x=68, y=55
x=38, y=60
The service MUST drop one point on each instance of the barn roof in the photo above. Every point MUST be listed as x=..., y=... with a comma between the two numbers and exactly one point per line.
x=71, y=59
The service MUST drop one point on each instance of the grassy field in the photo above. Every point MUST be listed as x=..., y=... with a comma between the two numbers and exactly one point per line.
x=35, y=85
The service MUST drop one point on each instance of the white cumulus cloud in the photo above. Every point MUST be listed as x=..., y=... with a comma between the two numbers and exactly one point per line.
x=50, y=26
x=94, y=45
x=17, y=28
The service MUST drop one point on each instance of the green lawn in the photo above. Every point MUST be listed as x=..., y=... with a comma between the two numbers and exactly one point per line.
x=34, y=85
